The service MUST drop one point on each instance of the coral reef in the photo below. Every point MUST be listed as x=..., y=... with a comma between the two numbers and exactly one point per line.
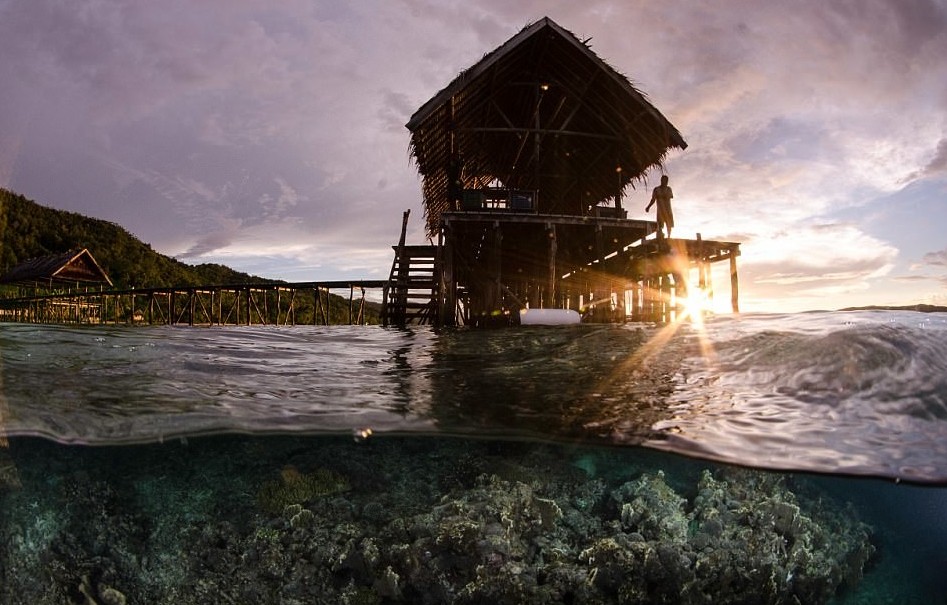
x=9, y=478
x=294, y=487
x=415, y=521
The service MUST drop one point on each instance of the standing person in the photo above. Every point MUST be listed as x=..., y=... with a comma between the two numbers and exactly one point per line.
x=662, y=195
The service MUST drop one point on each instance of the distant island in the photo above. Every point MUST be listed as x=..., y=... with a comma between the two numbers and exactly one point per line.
x=920, y=308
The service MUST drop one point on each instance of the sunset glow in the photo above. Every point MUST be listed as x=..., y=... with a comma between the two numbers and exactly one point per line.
x=270, y=136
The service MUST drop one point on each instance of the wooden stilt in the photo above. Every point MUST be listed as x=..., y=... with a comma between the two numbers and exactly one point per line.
x=734, y=284
x=553, y=278
x=448, y=314
x=710, y=283
x=666, y=308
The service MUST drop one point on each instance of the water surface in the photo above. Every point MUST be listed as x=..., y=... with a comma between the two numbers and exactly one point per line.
x=857, y=392
x=758, y=459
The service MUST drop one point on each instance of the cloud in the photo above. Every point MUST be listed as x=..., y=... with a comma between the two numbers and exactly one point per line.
x=936, y=167
x=938, y=258
x=813, y=262
x=213, y=241
x=243, y=127
x=279, y=207
x=913, y=278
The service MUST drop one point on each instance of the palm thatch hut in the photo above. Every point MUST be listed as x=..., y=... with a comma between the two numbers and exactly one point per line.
x=540, y=113
x=524, y=159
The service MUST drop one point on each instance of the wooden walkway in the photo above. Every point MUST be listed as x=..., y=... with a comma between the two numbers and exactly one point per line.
x=216, y=305
x=650, y=280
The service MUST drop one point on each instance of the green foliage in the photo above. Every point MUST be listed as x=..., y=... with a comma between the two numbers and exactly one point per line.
x=32, y=230
x=29, y=230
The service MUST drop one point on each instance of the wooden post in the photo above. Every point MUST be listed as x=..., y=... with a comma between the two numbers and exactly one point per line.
x=701, y=266
x=734, y=283
x=646, y=297
x=666, y=298
x=599, y=289
x=327, y=310
x=710, y=283
x=249, y=307
x=279, y=304
x=636, y=300
x=448, y=313
x=404, y=265
x=351, y=308
x=553, y=278
x=680, y=295
x=493, y=294
x=316, y=305
x=654, y=287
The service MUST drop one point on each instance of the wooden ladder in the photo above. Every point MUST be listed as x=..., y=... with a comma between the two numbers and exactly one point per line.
x=411, y=294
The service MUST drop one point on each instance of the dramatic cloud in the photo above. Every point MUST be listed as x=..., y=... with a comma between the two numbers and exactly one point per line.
x=937, y=167
x=269, y=135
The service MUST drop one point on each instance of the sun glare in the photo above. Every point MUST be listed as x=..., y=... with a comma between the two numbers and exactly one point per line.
x=696, y=305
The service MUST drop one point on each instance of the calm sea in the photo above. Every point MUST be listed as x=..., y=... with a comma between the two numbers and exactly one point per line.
x=755, y=459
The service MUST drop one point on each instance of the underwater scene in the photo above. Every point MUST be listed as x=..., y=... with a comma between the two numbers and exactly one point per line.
x=759, y=459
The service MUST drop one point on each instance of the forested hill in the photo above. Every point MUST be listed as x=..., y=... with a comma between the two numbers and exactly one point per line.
x=29, y=230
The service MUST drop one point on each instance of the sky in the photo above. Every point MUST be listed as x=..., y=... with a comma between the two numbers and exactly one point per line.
x=269, y=136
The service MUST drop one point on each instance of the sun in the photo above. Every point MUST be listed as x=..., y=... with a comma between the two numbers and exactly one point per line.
x=696, y=305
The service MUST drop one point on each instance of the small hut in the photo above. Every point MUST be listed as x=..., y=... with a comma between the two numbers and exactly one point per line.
x=525, y=157
x=542, y=113
x=68, y=269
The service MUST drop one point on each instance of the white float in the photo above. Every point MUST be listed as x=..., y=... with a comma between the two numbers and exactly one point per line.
x=549, y=317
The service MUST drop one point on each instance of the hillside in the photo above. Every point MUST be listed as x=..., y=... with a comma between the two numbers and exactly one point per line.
x=29, y=230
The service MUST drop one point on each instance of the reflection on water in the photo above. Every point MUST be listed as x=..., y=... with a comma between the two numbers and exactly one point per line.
x=861, y=393
x=574, y=382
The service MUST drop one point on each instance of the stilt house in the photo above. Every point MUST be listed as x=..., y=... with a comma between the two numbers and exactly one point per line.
x=66, y=270
x=525, y=158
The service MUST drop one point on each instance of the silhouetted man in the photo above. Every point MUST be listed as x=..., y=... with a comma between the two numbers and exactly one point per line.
x=662, y=195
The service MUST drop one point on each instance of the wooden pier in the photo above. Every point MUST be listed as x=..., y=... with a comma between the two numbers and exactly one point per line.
x=656, y=279
x=487, y=266
x=220, y=305
x=525, y=159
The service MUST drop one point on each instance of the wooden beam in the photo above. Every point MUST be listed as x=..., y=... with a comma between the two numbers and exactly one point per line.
x=542, y=131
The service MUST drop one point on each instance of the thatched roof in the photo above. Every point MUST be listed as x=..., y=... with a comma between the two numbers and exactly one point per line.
x=69, y=267
x=541, y=112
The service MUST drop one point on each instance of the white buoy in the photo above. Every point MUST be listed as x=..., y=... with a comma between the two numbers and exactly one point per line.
x=549, y=317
